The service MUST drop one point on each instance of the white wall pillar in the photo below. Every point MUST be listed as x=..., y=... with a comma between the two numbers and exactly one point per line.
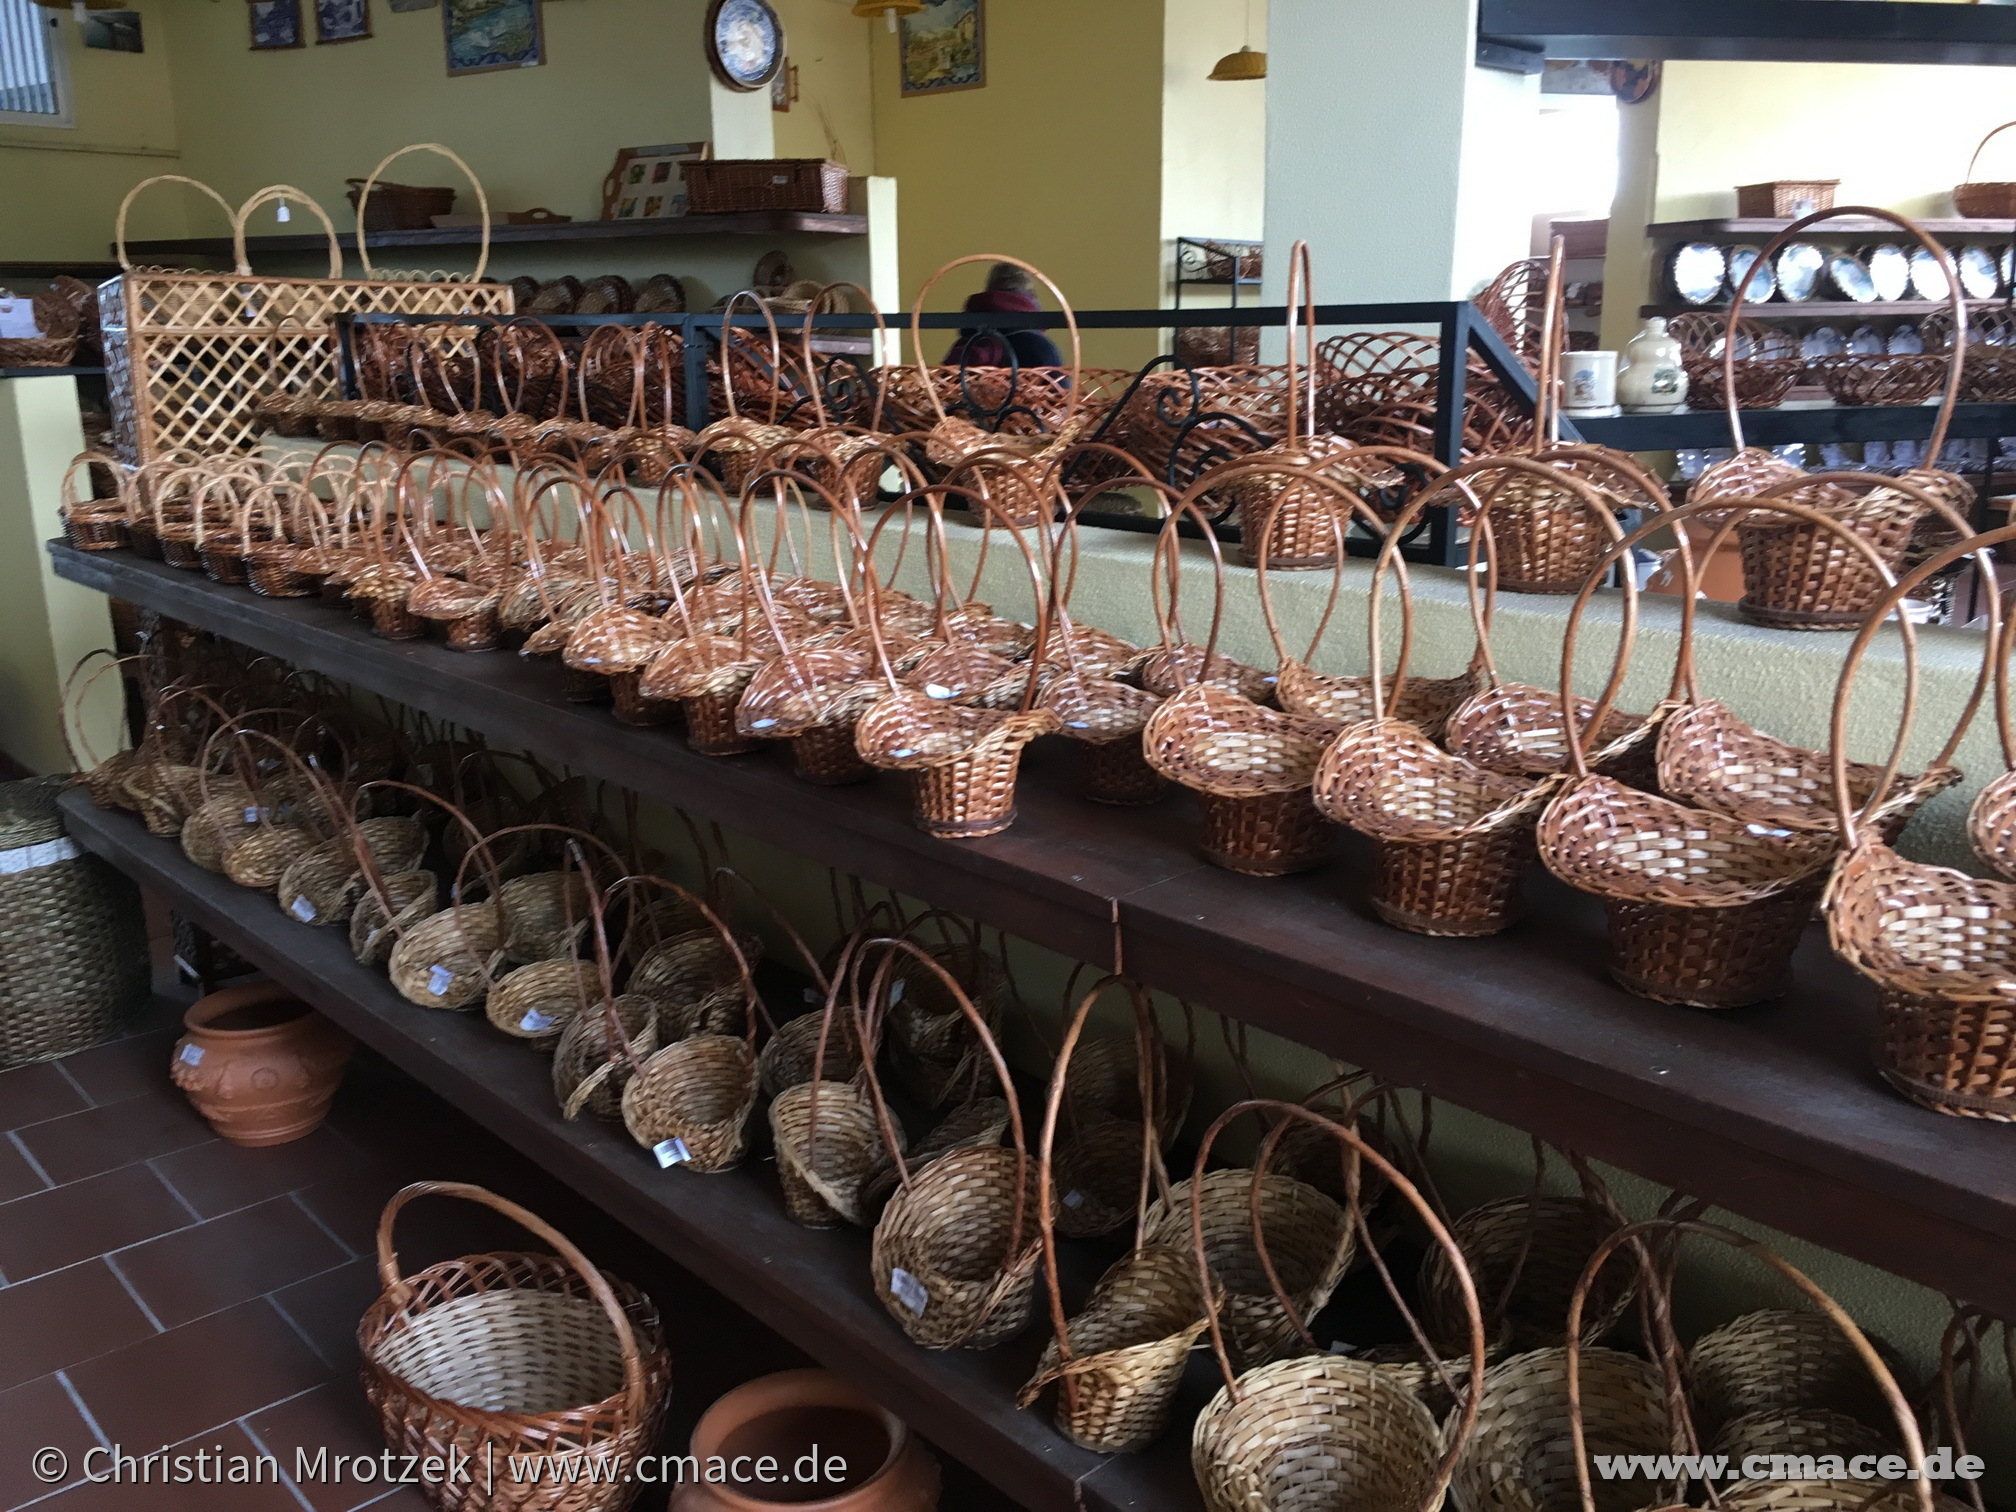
x=1398, y=160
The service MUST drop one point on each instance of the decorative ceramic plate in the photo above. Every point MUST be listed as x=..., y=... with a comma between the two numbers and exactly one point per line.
x=1799, y=268
x=1822, y=341
x=1697, y=272
x=1980, y=278
x=1865, y=341
x=1907, y=339
x=1928, y=279
x=1889, y=268
x=745, y=43
x=1748, y=263
x=1851, y=277
x=2005, y=260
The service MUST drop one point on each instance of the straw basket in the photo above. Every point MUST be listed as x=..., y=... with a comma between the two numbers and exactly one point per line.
x=1983, y=200
x=1251, y=767
x=1521, y=1453
x=1778, y=1361
x=501, y=1358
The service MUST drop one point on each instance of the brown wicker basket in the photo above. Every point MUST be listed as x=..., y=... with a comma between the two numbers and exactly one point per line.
x=1785, y=199
x=727, y=186
x=515, y=1361
x=1985, y=200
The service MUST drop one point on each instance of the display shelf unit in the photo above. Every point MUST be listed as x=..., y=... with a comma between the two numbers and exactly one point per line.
x=1832, y=230
x=52, y=372
x=731, y=1230
x=1817, y=309
x=1748, y=31
x=1773, y=1112
x=1786, y=424
x=743, y=223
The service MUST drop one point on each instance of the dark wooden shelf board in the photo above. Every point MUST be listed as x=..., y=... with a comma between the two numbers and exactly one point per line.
x=1757, y=31
x=52, y=372
x=1816, y=309
x=1774, y=1111
x=1854, y=226
x=747, y=223
x=1783, y=426
x=731, y=1230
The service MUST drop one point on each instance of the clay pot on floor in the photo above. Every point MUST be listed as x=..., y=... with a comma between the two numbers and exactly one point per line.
x=801, y=1418
x=259, y=1063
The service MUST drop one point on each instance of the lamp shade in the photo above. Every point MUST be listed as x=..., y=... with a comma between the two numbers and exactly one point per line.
x=869, y=9
x=1243, y=64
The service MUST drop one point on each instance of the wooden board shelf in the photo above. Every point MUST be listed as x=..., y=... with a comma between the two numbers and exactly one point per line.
x=1816, y=309
x=1773, y=1111
x=731, y=1230
x=1856, y=226
x=1755, y=31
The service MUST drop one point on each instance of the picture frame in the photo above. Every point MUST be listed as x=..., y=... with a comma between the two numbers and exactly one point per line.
x=648, y=183
x=275, y=24
x=483, y=36
x=944, y=48
x=342, y=21
x=114, y=31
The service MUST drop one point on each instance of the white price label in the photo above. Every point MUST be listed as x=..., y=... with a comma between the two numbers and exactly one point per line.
x=671, y=1152
x=303, y=910
x=908, y=1290
x=937, y=690
x=253, y=814
x=761, y=724
x=439, y=980
x=1074, y=1199
x=534, y=1022
x=28, y=857
x=185, y=968
x=192, y=1055
x=896, y=993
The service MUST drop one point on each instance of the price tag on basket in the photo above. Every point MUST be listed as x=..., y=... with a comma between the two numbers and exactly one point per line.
x=192, y=1055
x=439, y=980
x=671, y=1152
x=535, y=1022
x=908, y=1290
x=303, y=910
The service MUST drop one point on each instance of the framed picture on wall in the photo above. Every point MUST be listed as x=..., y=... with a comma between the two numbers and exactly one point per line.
x=275, y=23
x=648, y=183
x=485, y=35
x=945, y=47
x=342, y=20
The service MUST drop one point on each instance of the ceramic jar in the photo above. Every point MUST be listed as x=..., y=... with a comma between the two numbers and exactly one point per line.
x=782, y=1424
x=1653, y=380
x=259, y=1063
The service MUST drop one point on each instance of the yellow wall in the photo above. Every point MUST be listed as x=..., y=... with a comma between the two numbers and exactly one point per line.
x=835, y=113
x=1058, y=160
x=60, y=186
x=1214, y=133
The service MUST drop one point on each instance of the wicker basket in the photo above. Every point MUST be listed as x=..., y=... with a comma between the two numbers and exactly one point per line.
x=515, y=1360
x=400, y=207
x=726, y=186
x=1786, y=199
x=1985, y=200
x=75, y=946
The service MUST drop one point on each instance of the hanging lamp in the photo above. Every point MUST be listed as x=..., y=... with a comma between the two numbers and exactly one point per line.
x=1243, y=64
x=889, y=8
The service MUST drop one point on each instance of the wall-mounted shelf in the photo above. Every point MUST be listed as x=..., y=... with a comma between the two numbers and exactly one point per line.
x=1859, y=226
x=52, y=372
x=1774, y=1111
x=1817, y=309
x=747, y=223
x=1753, y=31
x=1787, y=424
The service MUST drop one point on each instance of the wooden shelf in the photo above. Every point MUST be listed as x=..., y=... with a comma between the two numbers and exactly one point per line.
x=730, y=1230
x=1817, y=309
x=1859, y=226
x=52, y=372
x=747, y=223
x=1774, y=1111
x=1787, y=424
x=1756, y=31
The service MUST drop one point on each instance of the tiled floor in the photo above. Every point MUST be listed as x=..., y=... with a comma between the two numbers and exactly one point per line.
x=159, y=1286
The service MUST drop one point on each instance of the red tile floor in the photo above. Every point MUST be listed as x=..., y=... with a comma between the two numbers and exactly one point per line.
x=159, y=1286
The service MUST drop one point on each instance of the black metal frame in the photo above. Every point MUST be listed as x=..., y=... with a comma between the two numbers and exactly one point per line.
x=1462, y=333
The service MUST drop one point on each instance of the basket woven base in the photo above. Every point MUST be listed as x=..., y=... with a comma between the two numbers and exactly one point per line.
x=958, y=802
x=1956, y=1056
x=226, y=567
x=472, y=632
x=180, y=553
x=143, y=542
x=393, y=621
x=1706, y=957
x=1799, y=619
x=270, y=581
x=631, y=707
x=1460, y=889
x=825, y=755
x=1271, y=835
x=710, y=725
x=1115, y=771
x=583, y=687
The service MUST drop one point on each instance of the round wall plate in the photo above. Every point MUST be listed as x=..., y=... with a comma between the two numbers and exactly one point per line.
x=1980, y=278
x=1928, y=279
x=1800, y=265
x=745, y=43
x=1907, y=339
x=1822, y=341
x=1697, y=272
x=1865, y=341
x=1749, y=272
x=1889, y=268
x=1851, y=277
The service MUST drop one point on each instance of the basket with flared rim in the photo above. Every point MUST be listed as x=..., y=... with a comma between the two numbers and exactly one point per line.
x=465, y=609
x=1016, y=474
x=251, y=825
x=739, y=445
x=1319, y=1432
x=1934, y=940
x=1655, y=1263
x=963, y=760
x=93, y=524
x=1250, y=766
x=104, y=779
x=845, y=461
x=1796, y=575
x=1117, y=1364
x=323, y=885
x=288, y=563
x=956, y=1248
x=516, y=1358
x=1704, y=909
x=618, y=638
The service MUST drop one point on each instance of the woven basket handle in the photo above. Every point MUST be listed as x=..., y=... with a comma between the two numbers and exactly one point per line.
x=812, y=312
x=598, y=1287
x=282, y=193
x=1677, y=1229
x=126, y=204
x=1553, y=332
x=1964, y=1347
x=1301, y=367
x=1070, y=316
x=1994, y=649
x=1148, y=1050
x=1974, y=161
x=1165, y=576
x=70, y=706
x=1955, y=300
x=1456, y=1432
x=728, y=329
x=482, y=204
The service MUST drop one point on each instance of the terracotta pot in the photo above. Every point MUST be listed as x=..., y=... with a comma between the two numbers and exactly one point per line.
x=808, y=1417
x=259, y=1063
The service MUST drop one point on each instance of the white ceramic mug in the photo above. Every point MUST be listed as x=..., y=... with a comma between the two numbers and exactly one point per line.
x=1589, y=382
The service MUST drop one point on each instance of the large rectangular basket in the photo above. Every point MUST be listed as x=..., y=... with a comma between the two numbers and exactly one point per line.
x=727, y=185
x=1785, y=199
